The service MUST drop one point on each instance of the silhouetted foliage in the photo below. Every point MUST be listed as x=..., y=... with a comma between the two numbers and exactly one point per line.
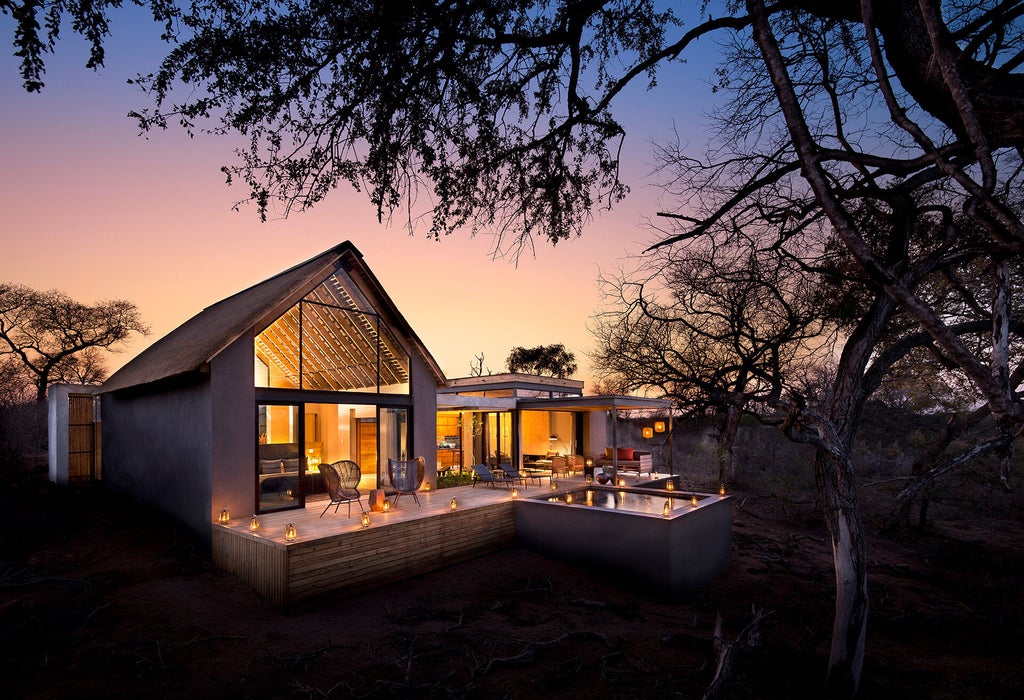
x=552, y=360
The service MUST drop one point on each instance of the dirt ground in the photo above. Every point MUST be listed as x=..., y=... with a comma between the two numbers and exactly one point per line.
x=99, y=598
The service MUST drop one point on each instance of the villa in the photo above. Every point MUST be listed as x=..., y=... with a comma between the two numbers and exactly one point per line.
x=224, y=423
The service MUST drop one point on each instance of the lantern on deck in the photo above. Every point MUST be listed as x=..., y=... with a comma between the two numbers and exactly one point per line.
x=364, y=519
x=454, y=505
x=721, y=490
x=666, y=509
x=224, y=516
x=254, y=523
x=290, y=533
x=386, y=507
x=515, y=493
x=693, y=500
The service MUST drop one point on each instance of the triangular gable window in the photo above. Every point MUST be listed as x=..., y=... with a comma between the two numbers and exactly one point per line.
x=331, y=341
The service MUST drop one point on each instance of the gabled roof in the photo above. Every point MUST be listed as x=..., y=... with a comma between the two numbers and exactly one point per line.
x=192, y=345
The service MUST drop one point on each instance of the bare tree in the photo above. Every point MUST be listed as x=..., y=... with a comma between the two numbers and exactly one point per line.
x=714, y=327
x=52, y=338
x=476, y=367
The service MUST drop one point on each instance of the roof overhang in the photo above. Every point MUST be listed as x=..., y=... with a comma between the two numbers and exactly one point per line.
x=596, y=403
x=454, y=402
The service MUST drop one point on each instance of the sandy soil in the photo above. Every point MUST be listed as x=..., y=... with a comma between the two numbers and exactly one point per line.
x=101, y=599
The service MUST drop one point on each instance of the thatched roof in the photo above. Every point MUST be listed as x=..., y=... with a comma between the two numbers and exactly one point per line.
x=191, y=346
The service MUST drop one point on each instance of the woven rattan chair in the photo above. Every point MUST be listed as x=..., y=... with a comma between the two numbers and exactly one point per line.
x=406, y=477
x=341, y=480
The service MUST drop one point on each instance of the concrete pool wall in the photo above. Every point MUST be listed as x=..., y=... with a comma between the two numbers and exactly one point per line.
x=679, y=554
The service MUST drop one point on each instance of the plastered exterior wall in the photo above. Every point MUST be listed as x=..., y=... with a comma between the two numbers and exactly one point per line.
x=157, y=448
x=424, y=417
x=57, y=419
x=233, y=421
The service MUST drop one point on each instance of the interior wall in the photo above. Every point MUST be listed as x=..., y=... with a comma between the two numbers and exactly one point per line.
x=536, y=432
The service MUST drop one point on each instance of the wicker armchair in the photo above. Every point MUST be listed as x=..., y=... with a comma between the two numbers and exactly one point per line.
x=341, y=480
x=406, y=477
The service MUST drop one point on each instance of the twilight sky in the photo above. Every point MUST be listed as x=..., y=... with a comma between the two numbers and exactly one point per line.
x=95, y=210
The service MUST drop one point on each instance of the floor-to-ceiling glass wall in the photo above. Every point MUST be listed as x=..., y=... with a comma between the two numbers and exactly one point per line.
x=279, y=483
x=330, y=343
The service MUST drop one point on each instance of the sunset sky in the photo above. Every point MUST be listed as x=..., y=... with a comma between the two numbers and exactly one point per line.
x=98, y=212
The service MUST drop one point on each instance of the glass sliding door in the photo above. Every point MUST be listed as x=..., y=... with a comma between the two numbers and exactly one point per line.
x=279, y=463
x=394, y=437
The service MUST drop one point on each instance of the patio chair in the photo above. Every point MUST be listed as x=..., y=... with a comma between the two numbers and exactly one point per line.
x=340, y=480
x=406, y=476
x=484, y=475
x=512, y=474
x=560, y=466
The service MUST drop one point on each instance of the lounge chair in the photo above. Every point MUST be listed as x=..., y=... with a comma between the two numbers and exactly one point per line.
x=406, y=477
x=484, y=475
x=340, y=480
x=512, y=474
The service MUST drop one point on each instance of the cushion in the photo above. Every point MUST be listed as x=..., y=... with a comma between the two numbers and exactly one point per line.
x=290, y=465
x=625, y=454
x=270, y=466
x=608, y=452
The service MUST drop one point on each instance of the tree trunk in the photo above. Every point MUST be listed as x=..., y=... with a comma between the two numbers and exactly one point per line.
x=838, y=492
x=726, y=440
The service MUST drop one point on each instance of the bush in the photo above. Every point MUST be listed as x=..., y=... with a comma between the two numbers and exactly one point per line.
x=450, y=480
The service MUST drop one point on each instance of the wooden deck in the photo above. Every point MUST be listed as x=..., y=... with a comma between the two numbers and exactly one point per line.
x=336, y=554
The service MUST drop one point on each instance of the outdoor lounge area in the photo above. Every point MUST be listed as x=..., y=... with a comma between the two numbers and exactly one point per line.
x=344, y=555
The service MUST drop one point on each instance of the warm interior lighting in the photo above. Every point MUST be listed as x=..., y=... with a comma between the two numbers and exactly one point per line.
x=224, y=516
x=693, y=500
x=515, y=492
x=648, y=432
x=666, y=509
x=364, y=520
x=454, y=505
x=589, y=462
x=659, y=426
x=290, y=533
x=254, y=523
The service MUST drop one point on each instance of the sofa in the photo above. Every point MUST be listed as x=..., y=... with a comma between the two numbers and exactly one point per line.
x=629, y=459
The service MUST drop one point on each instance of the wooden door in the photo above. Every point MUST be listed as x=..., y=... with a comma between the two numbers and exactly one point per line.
x=82, y=445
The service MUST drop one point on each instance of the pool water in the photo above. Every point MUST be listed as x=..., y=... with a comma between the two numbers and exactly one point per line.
x=631, y=501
